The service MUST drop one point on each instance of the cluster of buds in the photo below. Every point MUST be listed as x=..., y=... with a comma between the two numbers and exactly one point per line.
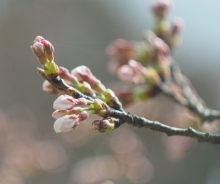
x=83, y=74
x=150, y=66
x=135, y=73
x=70, y=107
x=69, y=112
x=161, y=8
x=152, y=51
x=169, y=32
x=73, y=79
x=43, y=49
x=121, y=51
x=80, y=78
x=146, y=63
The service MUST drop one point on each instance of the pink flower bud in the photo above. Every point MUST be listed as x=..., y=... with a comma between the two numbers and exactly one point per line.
x=121, y=52
x=39, y=50
x=49, y=49
x=160, y=51
x=42, y=47
x=75, y=110
x=177, y=26
x=83, y=73
x=83, y=116
x=38, y=39
x=59, y=113
x=133, y=73
x=65, y=74
x=66, y=102
x=106, y=125
x=66, y=123
x=120, y=49
x=161, y=8
x=136, y=66
x=126, y=74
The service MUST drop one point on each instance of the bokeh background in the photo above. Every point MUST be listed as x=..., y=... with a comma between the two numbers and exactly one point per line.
x=31, y=152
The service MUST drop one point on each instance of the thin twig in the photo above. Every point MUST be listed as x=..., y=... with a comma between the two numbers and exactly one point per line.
x=134, y=120
x=141, y=122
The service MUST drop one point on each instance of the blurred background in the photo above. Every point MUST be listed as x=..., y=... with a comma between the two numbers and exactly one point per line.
x=80, y=30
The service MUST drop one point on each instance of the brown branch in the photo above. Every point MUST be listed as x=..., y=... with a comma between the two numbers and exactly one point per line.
x=134, y=120
x=191, y=99
x=141, y=122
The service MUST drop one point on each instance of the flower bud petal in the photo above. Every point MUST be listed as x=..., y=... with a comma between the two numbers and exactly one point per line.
x=103, y=125
x=66, y=123
x=38, y=39
x=161, y=8
x=83, y=115
x=81, y=72
x=125, y=73
x=39, y=50
x=63, y=102
x=59, y=113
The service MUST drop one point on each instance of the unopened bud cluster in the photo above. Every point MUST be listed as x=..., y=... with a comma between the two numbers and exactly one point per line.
x=168, y=31
x=145, y=65
x=70, y=111
x=43, y=49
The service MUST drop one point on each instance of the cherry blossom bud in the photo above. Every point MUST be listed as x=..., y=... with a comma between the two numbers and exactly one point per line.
x=69, y=122
x=65, y=74
x=59, y=113
x=175, y=30
x=132, y=73
x=43, y=49
x=39, y=49
x=66, y=102
x=121, y=49
x=83, y=73
x=66, y=123
x=121, y=52
x=103, y=125
x=177, y=26
x=126, y=74
x=161, y=8
x=38, y=39
x=136, y=66
x=83, y=116
x=160, y=51
x=48, y=47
